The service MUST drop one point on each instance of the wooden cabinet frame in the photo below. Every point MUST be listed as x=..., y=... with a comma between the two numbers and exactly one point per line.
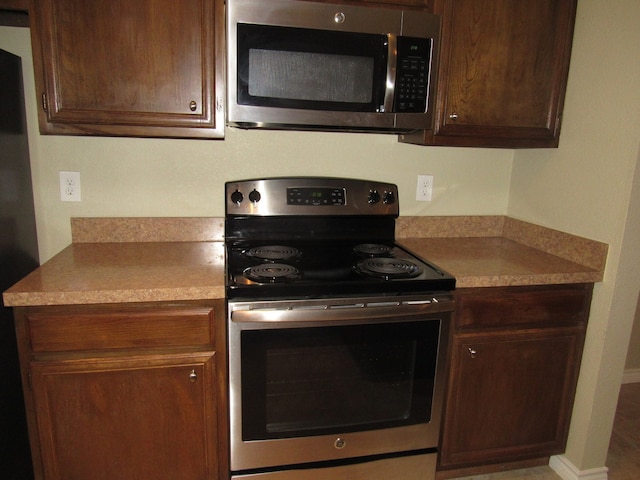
x=503, y=73
x=130, y=68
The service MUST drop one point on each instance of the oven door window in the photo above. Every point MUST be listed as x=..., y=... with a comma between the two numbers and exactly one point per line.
x=310, y=69
x=315, y=381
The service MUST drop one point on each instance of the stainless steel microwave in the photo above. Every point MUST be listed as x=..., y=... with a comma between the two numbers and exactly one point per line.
x=321, y=66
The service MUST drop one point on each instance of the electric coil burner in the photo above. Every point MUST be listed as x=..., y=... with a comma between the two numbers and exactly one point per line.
x=271, y=272
x=388, y=268
x=273, y=252
x=337, y=334
x=372, y=249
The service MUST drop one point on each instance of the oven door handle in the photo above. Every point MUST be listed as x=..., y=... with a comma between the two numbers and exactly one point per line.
x=401, y=312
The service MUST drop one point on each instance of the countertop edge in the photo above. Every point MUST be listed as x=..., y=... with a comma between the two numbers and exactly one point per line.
x=31, y=299
x=483, y=281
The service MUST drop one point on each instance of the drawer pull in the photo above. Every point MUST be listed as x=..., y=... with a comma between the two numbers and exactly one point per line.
x=472, y=352
x=193, y=376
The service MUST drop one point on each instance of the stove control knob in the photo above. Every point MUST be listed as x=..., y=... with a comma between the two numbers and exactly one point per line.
x=237, y=197
x=374, y=197
x=388, y=198
x=255, y=196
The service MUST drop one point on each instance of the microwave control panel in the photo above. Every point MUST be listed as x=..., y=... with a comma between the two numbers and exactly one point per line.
x=412, y=77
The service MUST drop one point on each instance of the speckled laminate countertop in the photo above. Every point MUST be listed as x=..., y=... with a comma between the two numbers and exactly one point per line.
x=494, y=261
x=141, y=260
x=124, y=272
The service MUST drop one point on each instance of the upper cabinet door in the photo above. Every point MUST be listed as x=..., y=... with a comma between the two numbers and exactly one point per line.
x=503, y=72
x=142, y=68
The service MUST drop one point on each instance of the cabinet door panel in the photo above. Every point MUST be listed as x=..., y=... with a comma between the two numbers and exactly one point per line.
x=111, y=64
x=510, y=395
x=500, y=58
x=503, y=73
x=134, y=47
x=128, y=418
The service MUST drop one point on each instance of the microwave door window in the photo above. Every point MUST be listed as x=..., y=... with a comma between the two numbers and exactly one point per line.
x=310, y=69
x=309, y=76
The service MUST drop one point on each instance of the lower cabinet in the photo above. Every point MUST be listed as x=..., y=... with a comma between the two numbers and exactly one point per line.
x=513, y=370
x=105, y=401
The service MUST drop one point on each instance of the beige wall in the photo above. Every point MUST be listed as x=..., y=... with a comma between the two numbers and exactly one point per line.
x=584, y=187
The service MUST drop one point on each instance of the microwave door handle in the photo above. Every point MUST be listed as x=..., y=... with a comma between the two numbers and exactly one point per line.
x=392, y=59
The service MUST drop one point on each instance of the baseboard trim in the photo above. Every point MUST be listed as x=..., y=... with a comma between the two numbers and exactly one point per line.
x=568, y=471
x=631, y=375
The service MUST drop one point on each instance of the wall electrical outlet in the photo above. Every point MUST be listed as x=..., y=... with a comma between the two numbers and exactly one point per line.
x=424, y=190
x=70, y=187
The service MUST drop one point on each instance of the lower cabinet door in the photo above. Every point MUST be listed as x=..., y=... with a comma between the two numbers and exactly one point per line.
x=510, y=396
x=127, y=418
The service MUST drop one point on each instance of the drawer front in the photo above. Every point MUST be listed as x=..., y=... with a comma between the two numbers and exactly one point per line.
x=523, y=306
x=122, y=328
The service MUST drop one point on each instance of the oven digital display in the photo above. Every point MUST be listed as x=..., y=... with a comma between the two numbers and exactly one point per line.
x=316, y=196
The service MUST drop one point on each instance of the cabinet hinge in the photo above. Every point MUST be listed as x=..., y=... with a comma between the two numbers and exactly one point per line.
x=29, y=380
x=219, y=104
x=45, y=105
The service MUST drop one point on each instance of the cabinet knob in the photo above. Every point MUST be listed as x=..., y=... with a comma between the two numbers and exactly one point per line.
x=193, y=376
x=453, y=116
x=472, y=352
x=193, y=105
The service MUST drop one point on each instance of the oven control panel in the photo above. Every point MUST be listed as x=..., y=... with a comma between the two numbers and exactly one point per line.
x=311, y=196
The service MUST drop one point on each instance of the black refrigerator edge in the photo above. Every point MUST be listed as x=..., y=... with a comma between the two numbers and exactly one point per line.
x=18, y=257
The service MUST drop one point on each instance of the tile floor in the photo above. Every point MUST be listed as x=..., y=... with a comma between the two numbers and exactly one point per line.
x=623, y=459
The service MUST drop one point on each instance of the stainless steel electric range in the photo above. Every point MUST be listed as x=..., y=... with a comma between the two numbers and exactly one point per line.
x=337, y=335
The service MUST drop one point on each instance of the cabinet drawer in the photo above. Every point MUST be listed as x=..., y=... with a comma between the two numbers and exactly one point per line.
x=523, y=306
x=52, y=331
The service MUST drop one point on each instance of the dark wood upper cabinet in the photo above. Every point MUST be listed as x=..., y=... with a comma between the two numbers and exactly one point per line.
x=503, y=73
x=143, y=68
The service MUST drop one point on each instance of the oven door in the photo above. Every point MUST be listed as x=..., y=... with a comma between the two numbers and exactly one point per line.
x=322, y=380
